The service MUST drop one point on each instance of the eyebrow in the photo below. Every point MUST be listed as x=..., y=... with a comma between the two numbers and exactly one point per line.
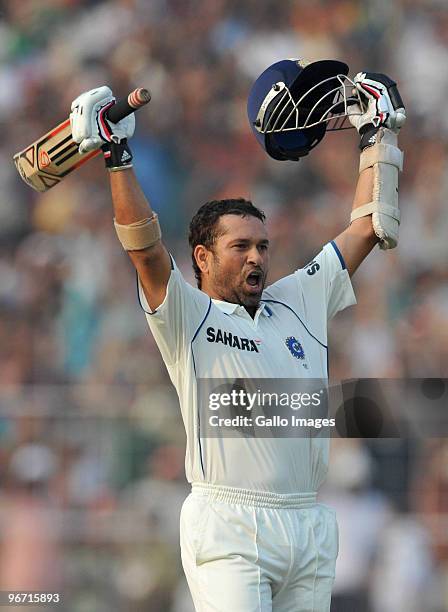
x=248, y=240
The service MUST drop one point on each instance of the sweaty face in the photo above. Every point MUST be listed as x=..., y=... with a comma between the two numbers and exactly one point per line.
x=238, y=264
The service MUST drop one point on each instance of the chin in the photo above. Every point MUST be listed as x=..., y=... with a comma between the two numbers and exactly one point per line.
x=251, y=300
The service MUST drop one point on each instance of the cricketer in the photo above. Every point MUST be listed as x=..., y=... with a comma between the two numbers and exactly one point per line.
x=253, y=536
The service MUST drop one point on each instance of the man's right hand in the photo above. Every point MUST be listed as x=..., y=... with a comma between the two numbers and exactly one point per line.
x=90, y=128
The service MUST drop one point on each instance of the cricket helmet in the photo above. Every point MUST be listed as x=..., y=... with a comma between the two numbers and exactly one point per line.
x=293, y=103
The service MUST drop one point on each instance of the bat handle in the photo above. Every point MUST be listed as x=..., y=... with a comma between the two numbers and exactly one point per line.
x=135, y=100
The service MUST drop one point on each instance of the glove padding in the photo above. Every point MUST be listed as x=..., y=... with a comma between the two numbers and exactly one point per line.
x=90, y=128
x=383, y=104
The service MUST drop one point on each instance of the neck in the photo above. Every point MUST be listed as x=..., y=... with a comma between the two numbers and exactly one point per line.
x=215, y=296
x=251, y=310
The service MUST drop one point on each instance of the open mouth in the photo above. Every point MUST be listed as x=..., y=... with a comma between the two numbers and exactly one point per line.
x=254, y=280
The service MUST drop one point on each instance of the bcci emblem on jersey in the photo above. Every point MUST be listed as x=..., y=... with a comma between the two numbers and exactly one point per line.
x=295, y=348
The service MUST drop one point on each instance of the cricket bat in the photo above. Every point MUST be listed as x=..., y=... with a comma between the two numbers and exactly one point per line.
x=44, y=164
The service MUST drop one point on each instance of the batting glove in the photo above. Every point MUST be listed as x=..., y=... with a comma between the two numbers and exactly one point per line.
x=383, y=106
x=90, y=127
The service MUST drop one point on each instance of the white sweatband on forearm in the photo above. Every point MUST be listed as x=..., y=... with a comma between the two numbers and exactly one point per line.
x=139, y=235
x=386, y=159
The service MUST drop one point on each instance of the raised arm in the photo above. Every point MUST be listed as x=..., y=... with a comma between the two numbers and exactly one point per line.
x=130, y=207
x=356, y=242
x=136, y=224
x=375, y=215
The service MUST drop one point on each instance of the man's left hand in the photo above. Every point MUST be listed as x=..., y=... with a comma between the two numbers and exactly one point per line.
x=383, y=104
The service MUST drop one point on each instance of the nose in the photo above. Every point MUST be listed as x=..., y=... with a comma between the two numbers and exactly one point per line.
x=255, y=257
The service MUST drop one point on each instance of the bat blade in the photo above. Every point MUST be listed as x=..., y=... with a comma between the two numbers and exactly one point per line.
x=44, y=164
x=47, y=161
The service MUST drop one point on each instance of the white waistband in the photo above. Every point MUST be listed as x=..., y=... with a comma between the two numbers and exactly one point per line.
x=247, y=497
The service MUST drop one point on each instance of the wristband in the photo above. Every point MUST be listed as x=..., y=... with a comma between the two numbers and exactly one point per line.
x=140, y=234
x=368, y=136
x=117, y=156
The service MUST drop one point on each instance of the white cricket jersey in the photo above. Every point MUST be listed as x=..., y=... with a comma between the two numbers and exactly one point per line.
x=203, y=338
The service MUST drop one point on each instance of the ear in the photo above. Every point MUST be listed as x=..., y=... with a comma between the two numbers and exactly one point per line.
x=202, y=255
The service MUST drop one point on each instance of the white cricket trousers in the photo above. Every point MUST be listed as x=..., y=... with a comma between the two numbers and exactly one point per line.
x=249, y=551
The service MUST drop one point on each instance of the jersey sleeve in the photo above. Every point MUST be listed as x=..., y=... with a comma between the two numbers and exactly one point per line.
x=175, y=322
x=319, y=290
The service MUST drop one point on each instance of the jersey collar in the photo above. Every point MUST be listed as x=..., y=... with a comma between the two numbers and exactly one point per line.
x=230, y=308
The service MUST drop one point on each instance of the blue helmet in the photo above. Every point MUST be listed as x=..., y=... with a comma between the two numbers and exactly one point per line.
x=292, y=104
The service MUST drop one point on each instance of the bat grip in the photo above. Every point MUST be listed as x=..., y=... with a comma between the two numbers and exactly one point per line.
x=124, y=107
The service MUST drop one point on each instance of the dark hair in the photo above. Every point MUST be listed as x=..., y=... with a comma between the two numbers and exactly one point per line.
x=204, y=225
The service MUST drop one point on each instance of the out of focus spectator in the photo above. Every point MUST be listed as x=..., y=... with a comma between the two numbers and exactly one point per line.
x=363, y=514
x=30, y=540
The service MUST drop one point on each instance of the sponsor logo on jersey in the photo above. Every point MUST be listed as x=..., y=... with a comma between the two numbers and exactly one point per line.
x=229, y=339
x=295, y=348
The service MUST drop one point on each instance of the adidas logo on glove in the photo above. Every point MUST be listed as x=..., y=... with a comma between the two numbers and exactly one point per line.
x=117, y=155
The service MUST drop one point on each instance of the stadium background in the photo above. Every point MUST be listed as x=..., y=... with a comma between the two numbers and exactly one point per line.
x=91, y=442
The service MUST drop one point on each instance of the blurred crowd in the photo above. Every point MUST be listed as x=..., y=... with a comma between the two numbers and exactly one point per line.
x=91, y=442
